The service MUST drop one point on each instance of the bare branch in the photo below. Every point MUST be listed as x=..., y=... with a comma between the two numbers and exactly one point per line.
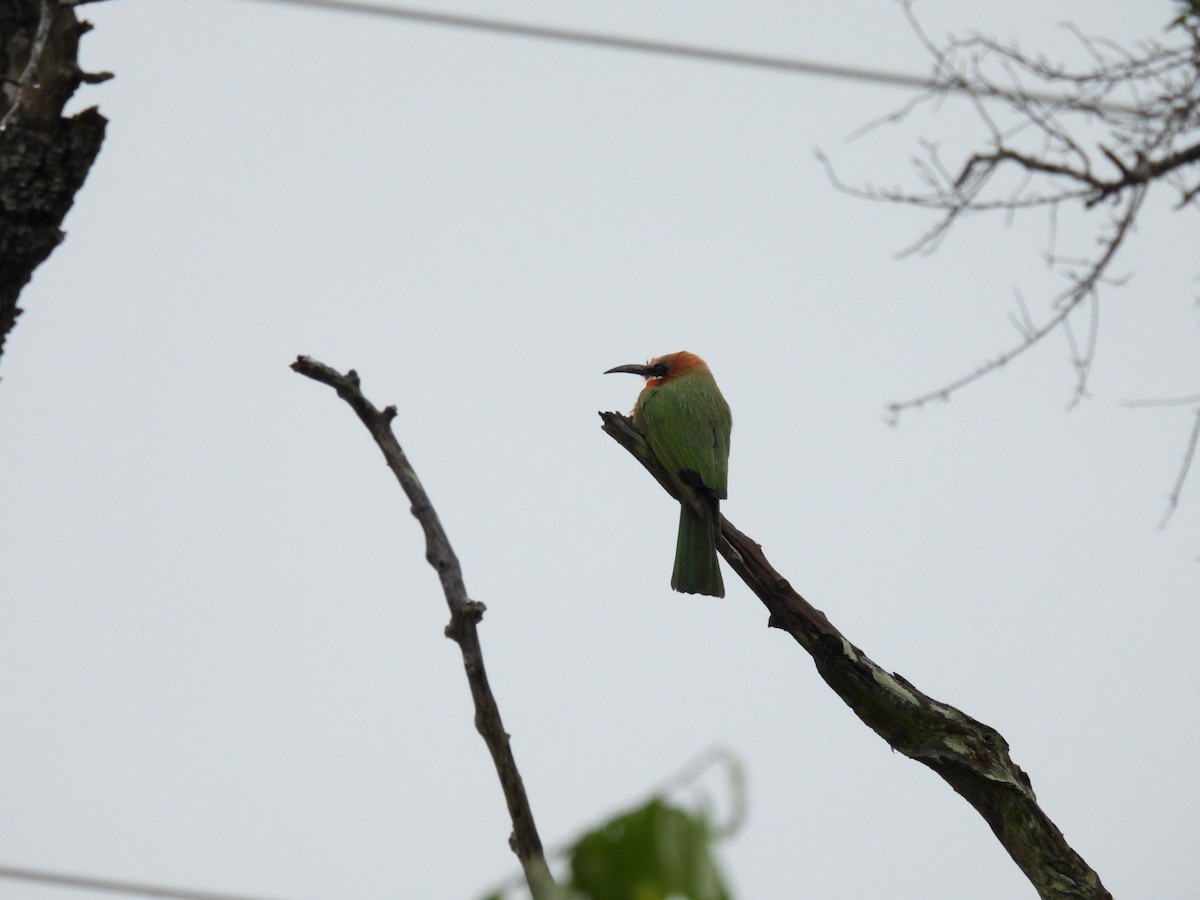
x=1034, y=113
x=971, y=757
x=1025, y=323
x=1083, y=359
x=1046, y=107
x=1065, y=303
x=1188, y=455
x=1191, y=400
x=465, y=615
x=1147, y=139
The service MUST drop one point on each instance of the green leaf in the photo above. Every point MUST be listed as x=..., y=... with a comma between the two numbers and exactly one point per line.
x=656, y=852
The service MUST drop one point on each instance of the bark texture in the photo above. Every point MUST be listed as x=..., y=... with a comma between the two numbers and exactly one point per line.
x=44, y=158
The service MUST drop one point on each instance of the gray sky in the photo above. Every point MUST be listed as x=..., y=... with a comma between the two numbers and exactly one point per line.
x=223, y=649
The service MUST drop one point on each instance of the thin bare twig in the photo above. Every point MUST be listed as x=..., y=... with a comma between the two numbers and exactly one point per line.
x=465, y=615
x=1067, y=302
x=971, y=757
x=1082, y=359
x=1169, y=401
x=1035, y=115
x=1189, y=453
x=1188, y=456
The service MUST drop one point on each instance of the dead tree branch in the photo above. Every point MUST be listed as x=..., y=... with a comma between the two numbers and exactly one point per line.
x=1095, y=138
x=970, y=756
x=465, y=615
x=1031, y=334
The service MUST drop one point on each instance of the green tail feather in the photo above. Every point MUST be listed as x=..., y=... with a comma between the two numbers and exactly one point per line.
x=696, y=567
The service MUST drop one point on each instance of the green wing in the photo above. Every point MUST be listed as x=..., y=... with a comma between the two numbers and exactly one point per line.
x=687, y=424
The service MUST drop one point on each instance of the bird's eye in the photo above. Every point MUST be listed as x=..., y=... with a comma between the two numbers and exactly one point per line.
x=658, y=371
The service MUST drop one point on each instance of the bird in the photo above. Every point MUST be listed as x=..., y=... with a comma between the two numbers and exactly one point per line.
x=686, y=422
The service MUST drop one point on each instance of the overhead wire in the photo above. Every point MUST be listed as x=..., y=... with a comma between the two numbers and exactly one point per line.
x=612, y=41
x=134, y=888
x=671, y=48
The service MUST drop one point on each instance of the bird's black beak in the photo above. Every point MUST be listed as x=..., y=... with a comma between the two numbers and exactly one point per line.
x=632, y=369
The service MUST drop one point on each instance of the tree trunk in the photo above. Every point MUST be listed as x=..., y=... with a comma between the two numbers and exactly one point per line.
x=44, y=158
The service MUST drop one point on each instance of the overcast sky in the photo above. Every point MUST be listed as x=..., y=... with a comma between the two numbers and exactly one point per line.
x=222, y=649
